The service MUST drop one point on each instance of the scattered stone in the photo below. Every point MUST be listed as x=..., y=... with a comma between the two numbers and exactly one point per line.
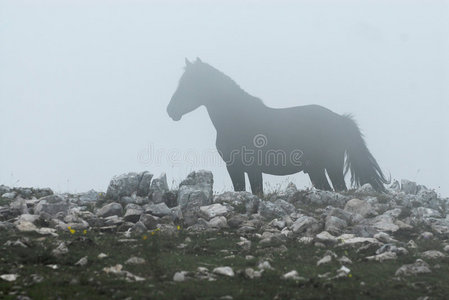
x=384, y=238
x=139, y=227
x=158, y=210
x=158, y=188
x=244, y=244
x=82, y=261
x=52, y=205
x=409, y=187
x=149, y=221
x=111, y=209
x=265, y=265
x=60, y=250
x=325, y=260
x=17, y=243
x=361, y=207
x=383, y=256
x=124, y=185
x=9, y=277
x=343, y=272
x=89, y=197
x=411, y=244
x=326, y=238
x=135, y=261
x=293, y=275
x=419, y=267
x=432, y=254
x=197, y=185
x=278, y=209
x=305, y=225
x=9, y=195
x=144, y=185
x=365, y=189
x=211, y=211
x=335, y=225
x=225, y=271
x=180, y=276
x=251, y=273
x=133, y=212
x=218, y=222
x=426, y=235
x=345, y=260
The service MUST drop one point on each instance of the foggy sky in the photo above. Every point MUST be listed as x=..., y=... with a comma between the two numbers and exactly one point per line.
x=84, y=85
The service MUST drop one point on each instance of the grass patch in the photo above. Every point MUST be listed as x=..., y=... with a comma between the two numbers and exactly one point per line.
x=164, y=257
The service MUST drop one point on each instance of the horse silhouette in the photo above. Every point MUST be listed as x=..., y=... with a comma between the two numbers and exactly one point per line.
x=255, y=139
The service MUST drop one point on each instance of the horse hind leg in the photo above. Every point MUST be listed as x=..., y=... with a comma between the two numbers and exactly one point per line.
x=319, y=179
x=336, y=174
x=337, y=177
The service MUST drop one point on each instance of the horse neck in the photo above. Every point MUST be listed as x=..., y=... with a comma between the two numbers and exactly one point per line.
x=229, y=111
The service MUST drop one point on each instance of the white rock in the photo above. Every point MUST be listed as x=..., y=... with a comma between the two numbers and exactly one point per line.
x=82, y=261
x=384, y=238
x=9, y=277
x=357, y=240
x=251, y=273
x=361, y=207
x=412, y=245
x=383, y=256
x=426, y=235
x=60, y=250
x=344, y=269
x=225, y=271
x=432, y=254
x=325, y=260
x=265, y=265
x=179, y=276
x=345, y=260
x=113, y=269
x=292, y=275
x=326, y=238
x=213, y=210
x=218, y=222
x=419, y=267
x=135, y=261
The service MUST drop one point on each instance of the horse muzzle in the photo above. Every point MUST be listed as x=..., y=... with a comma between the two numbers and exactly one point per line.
x=173, y=115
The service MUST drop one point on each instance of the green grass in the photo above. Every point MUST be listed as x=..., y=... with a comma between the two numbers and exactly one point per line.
x=369, y=280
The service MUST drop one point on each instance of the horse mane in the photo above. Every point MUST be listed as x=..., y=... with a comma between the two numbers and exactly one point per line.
x=228, y=82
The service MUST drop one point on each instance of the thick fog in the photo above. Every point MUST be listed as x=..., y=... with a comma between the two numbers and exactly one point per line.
x=84, y=85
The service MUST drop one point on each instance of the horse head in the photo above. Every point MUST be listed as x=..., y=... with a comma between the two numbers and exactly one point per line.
x=190, y=93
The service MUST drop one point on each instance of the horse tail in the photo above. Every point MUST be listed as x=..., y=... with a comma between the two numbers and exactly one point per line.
x=359, y=160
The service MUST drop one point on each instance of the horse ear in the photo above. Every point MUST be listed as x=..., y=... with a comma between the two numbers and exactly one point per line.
x=188, y=63
x=198, y=60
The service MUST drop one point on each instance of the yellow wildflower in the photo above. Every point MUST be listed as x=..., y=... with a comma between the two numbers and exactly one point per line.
x=72, y=231
x=350, y=275
x=152, y=232
x=144, y=237
x=85, y=231
x=178, y=227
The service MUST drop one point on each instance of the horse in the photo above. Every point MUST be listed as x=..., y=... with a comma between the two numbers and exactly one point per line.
x=255, y=139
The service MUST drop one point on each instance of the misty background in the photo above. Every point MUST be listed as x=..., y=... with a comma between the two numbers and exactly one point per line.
x=84, y=85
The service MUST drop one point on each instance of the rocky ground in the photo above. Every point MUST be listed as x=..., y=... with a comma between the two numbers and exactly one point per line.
x=142, y=240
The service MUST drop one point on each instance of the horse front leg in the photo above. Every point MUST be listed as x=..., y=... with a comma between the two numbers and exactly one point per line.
x=237, y=177
x=256, y=182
